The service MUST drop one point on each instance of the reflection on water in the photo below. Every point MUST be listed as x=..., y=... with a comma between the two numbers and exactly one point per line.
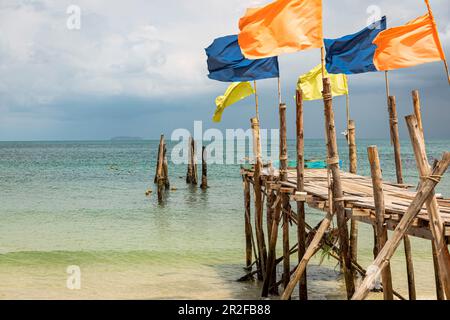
x=83, y=203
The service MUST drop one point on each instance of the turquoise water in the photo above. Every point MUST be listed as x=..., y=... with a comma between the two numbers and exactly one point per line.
x=84, y=204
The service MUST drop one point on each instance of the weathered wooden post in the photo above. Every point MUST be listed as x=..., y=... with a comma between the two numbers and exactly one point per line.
x=192, y=177
x=259, y=224
x=333, y=163
x=436, y=223
x=284, y=196
x=166, y=169
x=248, y=225
x=160, y=170
x=423, y=194
x=353, y=156
x=204, y=184
x=395, y=139
x=437, y=274
x=301, y=221
x=381, y=229
x=161, y=143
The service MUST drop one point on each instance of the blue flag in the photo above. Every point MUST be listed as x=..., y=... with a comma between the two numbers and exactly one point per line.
x=353, y=53
x=227, y=63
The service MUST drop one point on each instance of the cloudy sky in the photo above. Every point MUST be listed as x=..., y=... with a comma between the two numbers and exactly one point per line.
x=138, y=68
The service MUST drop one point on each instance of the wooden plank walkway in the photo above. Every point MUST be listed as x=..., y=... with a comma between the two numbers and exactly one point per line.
x=359, y=201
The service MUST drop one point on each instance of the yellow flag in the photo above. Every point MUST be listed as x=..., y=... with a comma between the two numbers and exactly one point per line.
x=235, y=93
x=312, y=85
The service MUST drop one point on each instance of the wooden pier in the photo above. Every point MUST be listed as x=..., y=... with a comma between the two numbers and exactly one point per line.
x=408, y=211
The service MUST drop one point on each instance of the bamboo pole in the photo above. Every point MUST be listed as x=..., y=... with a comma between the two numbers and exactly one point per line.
x=424, y=192
x=393, y=121
x=256, y=141
x=333, y=163
x=204, y=184
x=382, y=233
x=284, y=196
x=256, y=101
x=260, y=240
x=436, y=223
x=417, y=107
x=437, y=274
x=313, y=247
x=248, y=225
x=353, y=156
x=301, y=216
x=268, y=279
x=270, y=212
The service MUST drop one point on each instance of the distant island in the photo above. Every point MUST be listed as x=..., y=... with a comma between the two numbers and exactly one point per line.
x=126, y=138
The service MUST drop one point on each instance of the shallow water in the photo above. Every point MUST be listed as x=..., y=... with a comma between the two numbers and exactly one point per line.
x=83, y=204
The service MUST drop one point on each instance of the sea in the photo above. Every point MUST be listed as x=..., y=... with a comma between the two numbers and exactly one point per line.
x=75, y=223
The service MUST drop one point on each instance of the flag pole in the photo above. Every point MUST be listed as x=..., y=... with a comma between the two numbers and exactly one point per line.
x=437, y=39
x=322, y=59
x=388, y=91
x=256, y=100
x=279, y=91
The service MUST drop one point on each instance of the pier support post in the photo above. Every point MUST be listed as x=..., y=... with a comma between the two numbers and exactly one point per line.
x=248, y=225
x=425, y=191
x=353, y=156
x=301, y=216
x=333, y=163
x=284, y=196
x=395, y=139
x=271, y=257
x=259, y=228
x=436, y=223
x=381, y=229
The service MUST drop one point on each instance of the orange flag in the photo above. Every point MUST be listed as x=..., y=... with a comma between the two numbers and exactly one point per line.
x=283, y=26
x=415, y=43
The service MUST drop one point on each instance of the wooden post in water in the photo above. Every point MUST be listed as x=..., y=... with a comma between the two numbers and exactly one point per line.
x=248, y=225
x=259, y=224
x=161, y=142
x=271, y=257
x=353, y=156
x=424, y=193
x=381, y=229
x=160, y=169
x=417, y=112
x=189, y=166
x=437, y=274
x=166, y=169
x=284, y=196
x=393, y=121
x=301, y=216
x=270, y=212
x=333, y=163
x=436, y=223
x=192, y=177
x=204, y=184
